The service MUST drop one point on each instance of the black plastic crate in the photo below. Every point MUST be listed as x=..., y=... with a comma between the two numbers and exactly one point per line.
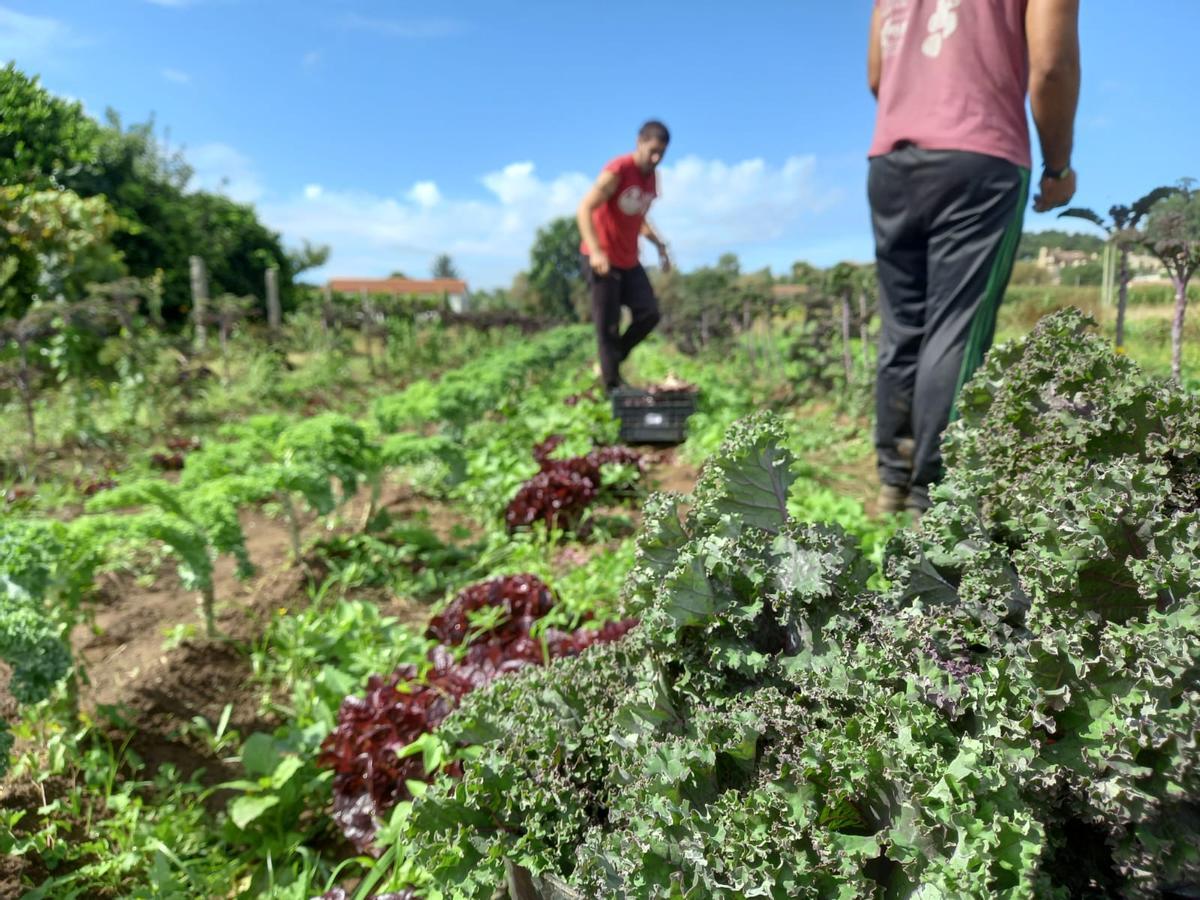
x=653, y=418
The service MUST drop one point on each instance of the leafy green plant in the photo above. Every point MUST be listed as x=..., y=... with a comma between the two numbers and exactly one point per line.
x=288, y=461
x=465, y=394
x=44, y=574
x=193, y=524
x=1121, y=229
x=1173, y=236
x=55, y=342
x=1014, y=716
x=408, y=558
x=269, y=812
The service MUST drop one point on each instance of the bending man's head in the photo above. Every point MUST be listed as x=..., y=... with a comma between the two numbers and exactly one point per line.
x=653, y=138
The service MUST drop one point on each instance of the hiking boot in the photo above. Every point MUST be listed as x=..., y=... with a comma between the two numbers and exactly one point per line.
x=917, y=503
x=893, y=498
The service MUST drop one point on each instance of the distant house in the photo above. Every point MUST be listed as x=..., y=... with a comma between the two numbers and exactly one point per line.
x=1145, y=264
x=452, y=290
x=1057, y=260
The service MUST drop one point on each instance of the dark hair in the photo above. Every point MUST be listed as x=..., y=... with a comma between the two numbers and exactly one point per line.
x=655, y=129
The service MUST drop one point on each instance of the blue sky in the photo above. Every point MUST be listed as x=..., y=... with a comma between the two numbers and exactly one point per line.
x=396, y=130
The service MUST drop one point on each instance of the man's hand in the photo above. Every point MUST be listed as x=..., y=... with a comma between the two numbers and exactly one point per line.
x=1055, y=192
x=664, y=258
x=600, y=263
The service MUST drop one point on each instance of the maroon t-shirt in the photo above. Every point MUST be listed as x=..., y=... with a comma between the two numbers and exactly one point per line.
x=955, y=75
x=618, y=221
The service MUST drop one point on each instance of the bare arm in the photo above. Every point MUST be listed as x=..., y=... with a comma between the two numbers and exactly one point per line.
x=875, y=53
x=1052, y=29
x=648, y=231
x=599, y=194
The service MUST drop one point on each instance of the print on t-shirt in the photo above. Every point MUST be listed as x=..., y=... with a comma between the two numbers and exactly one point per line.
x=894, y=25
x=634, y=201
x=954, y=76
x=942, y=24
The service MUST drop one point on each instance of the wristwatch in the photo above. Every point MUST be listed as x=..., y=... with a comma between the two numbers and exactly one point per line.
x=1056, y=174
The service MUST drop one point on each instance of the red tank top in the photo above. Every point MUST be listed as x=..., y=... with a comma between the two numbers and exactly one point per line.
x=619, y=221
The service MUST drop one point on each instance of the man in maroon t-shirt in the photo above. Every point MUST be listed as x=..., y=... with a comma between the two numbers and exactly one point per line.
x=611, y=219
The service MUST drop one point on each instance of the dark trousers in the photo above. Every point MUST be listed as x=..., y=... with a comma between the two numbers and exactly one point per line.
x=620, y=288
x=947, y=224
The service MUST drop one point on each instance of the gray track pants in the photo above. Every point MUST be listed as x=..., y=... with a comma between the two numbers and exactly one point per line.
x=947, y=224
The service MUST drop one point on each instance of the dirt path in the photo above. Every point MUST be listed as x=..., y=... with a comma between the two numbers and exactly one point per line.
x=163, y=688
x=670, y=473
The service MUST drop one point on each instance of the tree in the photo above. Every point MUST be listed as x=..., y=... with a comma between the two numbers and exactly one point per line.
x=730, y=264
x=147, y=187
x=237, y=247
x=806, y=274
x=708, y=303
x=1121, y=229
x=42, y=137
x=555, y=271
x=308, y=256
x=1173, y=235
x=163, y=222
x=52, y=242
x=443, y=267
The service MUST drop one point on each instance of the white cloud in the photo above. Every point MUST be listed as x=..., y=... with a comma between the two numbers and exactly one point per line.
x=28, y=39
x=177, y=76
x=312, y=59
x=408, y=29
x=708, y=207
x=425, y=194
x=221, y=168
x=710, y=204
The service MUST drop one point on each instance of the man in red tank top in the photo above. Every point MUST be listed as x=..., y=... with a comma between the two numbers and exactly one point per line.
x=611, y=219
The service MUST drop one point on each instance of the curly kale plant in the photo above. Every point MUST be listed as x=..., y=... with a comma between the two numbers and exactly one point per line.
x=1016, y=716
x=44, y=572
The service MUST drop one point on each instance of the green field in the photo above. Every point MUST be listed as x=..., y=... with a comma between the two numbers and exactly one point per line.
x=337, y=515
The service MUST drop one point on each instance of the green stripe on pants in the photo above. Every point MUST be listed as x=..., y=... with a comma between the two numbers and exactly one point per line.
x=983, y=324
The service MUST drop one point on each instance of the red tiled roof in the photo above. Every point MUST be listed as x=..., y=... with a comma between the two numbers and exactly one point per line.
x=397, y=286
